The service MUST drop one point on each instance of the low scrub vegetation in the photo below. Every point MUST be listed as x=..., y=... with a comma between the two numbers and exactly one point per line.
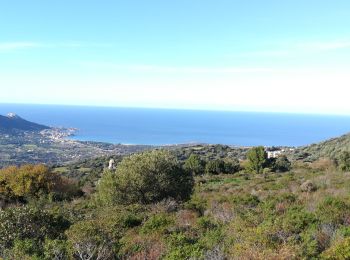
x=153, y=206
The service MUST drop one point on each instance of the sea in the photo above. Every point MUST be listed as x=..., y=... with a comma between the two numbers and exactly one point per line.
x=170, y=126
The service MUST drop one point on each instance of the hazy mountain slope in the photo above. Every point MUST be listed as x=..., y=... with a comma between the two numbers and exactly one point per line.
x=12, y=122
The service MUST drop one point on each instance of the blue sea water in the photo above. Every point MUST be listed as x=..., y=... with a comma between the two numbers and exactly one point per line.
x=163, y=126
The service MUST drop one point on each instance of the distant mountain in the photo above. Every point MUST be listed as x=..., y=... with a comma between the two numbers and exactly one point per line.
x=331, y=148
x=13, y=122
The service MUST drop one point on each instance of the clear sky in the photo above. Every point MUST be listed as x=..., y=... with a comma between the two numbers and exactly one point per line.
x=271, y=55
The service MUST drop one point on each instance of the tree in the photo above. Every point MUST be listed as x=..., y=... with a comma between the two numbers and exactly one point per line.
x=194, y=165
x=282, y=164
x=145, y=178
x=257, y=159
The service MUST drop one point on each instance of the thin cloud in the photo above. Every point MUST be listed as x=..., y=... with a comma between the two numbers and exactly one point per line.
x=82, y=45
x=10, y=46
x=172, y=69
x=264, y=54
x=284, y=50
x=324, y=46
x=13, y=46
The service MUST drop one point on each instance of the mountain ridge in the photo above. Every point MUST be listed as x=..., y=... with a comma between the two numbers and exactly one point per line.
x=12, y=122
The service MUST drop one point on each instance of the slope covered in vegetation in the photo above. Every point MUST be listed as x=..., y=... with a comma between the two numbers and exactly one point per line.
x=332, y=148
x=154, y=207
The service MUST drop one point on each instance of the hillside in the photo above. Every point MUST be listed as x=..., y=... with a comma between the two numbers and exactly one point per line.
x=299, y=214
x=12, y=123
x=140, y=211
x=331, y=148
x=23, y=142
x=88, y=171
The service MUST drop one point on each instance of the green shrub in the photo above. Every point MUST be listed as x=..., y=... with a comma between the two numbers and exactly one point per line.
x=340, y=250
x=205, y=223
x=107, y=190
x=145, y=178
x=246, y=200
x=20, y=223
x=282, y=164
x=130, y=220
x=212, y=238
x=344, y=161
x=183, y=247
x=55, y=249
x=116, y=220
x=27, y=181
x=27, y=249
x=271, y=201
x=156, y=223
x=214, y=167
x=196, y=203
x=333, y=210
x=218, y=166
x=231, y=166
x=194, y=165
x=297, y=219
x=309, y=246
x=91, y=239
x=257, y=159
x=344, y=231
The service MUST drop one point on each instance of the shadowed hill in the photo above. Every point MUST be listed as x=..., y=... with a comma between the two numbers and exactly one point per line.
x=12, y=122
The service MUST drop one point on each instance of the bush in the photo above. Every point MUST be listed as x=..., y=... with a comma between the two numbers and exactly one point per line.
x=214, y=167
x=218, y=166
x=257, y=159
x=156, y=223
x=308, y=186
x=22, y=223
x=282, y=164
x=90, y=240
x=344, y=161
x=55, y=249
x=333, y=210
x=340, y=250
x=197, y=203
x=146, y=178
x=194, y=165
x=231, y=166
x=98, y=238
x=27, y=181
x=27, y=249
x=183, y=247
x=107, y=190
x=246, y=200
x=66, y=189
x=297, y=219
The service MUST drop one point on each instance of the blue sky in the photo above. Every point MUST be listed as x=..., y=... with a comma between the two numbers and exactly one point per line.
x=234, y=55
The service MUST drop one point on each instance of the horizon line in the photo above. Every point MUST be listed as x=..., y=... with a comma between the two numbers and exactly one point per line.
x=238, y=110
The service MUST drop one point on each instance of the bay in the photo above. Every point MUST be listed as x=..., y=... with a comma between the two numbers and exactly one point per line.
x=170, y=126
